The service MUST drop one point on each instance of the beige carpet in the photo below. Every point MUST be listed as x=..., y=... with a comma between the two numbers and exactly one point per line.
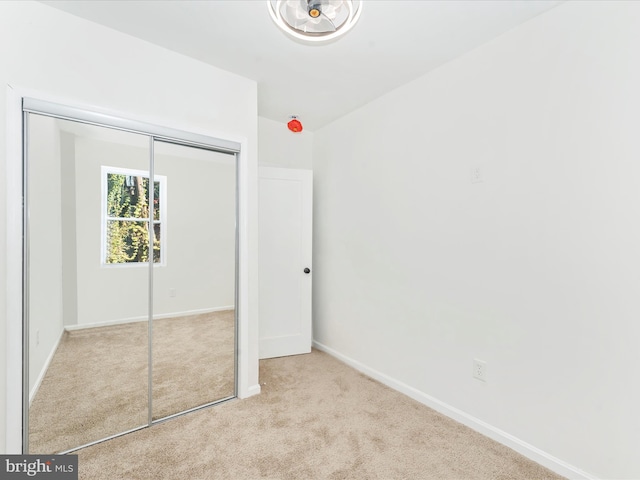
x=97, y=382
x=193, y=361
x=315, y=419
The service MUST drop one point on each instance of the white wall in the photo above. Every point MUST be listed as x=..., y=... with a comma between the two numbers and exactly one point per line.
x=280, y=147
x=199, y=241
x=105, y=293
x=200, y=266
x=535, y=270
x=68, y=225
x=73, y=61
x=45, y=252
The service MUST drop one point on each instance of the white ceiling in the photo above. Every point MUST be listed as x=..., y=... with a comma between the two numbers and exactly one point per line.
x=395, y=42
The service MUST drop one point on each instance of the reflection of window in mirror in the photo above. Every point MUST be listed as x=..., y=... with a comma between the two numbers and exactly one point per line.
x=125, y=216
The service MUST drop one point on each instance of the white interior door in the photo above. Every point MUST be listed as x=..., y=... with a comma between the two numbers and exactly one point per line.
x=285, y=261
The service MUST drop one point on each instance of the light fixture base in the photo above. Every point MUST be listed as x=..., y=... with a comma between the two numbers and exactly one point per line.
x=315, y=21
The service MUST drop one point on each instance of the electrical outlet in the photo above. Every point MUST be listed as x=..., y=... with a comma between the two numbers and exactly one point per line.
x=172, y=292
x=480, y=370
x=476, y=174
x=37, y=337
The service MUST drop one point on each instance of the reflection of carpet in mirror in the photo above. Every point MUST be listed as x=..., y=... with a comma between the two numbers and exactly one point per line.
x=97, y=382
x=193, y=361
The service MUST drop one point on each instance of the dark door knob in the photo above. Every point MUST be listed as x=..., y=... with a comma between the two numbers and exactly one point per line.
x=306, y=270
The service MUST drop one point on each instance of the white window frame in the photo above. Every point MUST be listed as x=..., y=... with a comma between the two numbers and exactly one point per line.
x=105, y=170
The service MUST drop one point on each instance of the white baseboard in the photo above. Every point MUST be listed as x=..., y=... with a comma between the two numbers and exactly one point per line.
x=44, y=369
x=159, y=316
x=251, y=391
x=524, y=448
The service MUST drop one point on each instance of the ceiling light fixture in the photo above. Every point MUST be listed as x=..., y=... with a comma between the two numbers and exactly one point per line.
x=315, y=20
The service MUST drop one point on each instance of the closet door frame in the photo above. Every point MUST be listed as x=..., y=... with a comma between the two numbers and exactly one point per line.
x=17, y=237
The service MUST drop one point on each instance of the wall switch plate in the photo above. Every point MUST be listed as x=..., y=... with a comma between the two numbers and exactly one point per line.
x=480, y=370
x=172, y=292
x=476, y=174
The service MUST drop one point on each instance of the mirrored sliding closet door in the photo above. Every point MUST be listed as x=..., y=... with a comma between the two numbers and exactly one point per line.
x=194, y=293
x=130, y=279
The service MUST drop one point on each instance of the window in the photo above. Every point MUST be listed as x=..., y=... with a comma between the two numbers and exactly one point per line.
x=125, y=214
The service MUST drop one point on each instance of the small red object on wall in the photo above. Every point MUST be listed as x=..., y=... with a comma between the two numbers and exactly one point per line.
x=294, y=125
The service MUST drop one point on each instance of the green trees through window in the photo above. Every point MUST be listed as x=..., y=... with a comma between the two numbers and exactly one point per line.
x=127, y=218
